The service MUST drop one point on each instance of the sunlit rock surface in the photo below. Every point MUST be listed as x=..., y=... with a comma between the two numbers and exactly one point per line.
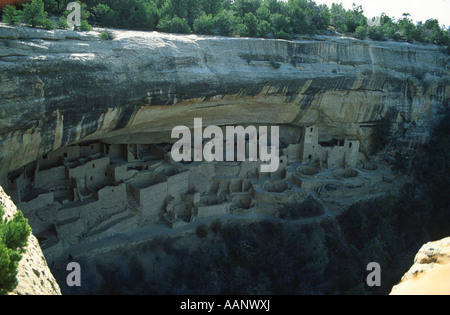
x=62, y=87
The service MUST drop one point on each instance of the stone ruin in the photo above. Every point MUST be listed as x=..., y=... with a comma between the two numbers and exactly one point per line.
x=97, y=190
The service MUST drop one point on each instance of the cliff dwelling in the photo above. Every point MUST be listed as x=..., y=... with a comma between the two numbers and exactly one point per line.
x=91, y=191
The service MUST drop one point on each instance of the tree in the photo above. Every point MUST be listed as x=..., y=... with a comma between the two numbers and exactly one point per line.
x=347, y=21
x=224, y=22
x=174, y=25
x=142, y=15
x=338, y=17
x=204, y=24
x=355, y=18
x=282, y=26
x=11, y=15
x=361, y=32
x=243, y=7
x=85, y=26
x=407, y=27
x=101, y=12
x=212, y=7
x=34, y=13
x=263, y=13
x=264, y=29
x=129, y=14
x=251, y=22
x=50, y=6
x=389, y=28
x=13, y=241
x=376, y=33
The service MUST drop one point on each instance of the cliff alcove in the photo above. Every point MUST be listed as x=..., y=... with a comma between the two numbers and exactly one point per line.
x=85, y=139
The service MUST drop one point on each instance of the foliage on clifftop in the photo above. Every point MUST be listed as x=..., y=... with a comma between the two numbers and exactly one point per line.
x=13, y=241
x=247, y=18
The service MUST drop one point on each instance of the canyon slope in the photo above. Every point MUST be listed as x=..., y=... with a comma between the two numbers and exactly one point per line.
x=60, y=88
x=34, y=276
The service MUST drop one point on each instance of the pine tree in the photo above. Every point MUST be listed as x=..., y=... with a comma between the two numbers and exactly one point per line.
x=13, y=241
x=11, y=15
x=34, y=13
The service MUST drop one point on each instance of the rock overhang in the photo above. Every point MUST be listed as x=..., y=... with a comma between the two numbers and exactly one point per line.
x=63, y=87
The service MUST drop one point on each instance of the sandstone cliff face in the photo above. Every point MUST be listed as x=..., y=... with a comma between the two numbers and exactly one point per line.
x=61, y=87
x=430, y=274
x=33, y=275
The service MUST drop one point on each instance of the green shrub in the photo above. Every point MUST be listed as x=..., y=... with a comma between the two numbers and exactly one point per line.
x=11, y=15
x=85, y=26
x=204, y=24
x=100, y=13
x=361, y=32
x=50, y=6
x=241, y=30
x=224, y=22
x=34, y=13
x=264, y=29
x=62, y=23
x=105, y=36
x=251, y=22
x=13, y=241
x=282, y=26
x=48, y=24
x=174, y=25
x=376, y=33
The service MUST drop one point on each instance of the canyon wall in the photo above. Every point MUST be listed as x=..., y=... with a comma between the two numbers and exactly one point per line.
x=63, y=87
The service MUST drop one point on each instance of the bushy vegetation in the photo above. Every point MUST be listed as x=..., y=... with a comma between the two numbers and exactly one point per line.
x=245, y=18
x=13, y=241
x=35, y=13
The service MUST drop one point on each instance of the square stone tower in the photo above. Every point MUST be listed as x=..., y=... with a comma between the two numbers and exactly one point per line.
x=310, y=150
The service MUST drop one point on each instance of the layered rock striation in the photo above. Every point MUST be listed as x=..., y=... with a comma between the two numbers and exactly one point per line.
x=63, y=87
